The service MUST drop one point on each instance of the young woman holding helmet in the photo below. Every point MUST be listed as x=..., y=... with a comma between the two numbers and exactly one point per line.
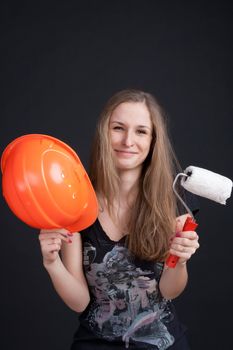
x=114, y=272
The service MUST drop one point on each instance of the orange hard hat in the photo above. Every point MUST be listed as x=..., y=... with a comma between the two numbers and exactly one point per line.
x=45, y=184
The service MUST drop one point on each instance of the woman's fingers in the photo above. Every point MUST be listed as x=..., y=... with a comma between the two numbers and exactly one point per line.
x=180, y=221
x=185, y=255
x=185, y=248
x=187, y=234
x=46, y=235
x=51, y=241
x=187, y=239
x=185, y=244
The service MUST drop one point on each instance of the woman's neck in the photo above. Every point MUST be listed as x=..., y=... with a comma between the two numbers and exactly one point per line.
x=128, y=186
x=126, y=194
x=115, y=219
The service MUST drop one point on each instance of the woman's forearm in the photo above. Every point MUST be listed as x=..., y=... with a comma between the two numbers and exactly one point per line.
x=173, y=281
x=73, y=292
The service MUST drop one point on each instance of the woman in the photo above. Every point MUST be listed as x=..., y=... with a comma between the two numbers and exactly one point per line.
x=114, y=272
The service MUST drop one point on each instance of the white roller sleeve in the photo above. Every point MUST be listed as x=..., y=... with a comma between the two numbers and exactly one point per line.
x=207, y=184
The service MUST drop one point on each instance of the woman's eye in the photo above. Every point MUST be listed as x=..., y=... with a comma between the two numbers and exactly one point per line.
x=141, y=131
x=117, y=128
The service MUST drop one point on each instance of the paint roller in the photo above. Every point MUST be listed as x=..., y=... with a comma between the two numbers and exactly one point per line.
x=204, y=183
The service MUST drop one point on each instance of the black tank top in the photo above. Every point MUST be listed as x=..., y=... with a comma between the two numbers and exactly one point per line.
x=126, y=308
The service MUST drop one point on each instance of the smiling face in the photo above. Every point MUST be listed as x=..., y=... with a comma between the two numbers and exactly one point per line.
x=130, y=134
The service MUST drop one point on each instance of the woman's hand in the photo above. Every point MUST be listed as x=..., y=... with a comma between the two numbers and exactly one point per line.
x=185, y=243
x=50, y=243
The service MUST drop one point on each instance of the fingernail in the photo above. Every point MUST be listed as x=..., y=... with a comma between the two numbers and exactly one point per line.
x=69, y=241
x=70, y=234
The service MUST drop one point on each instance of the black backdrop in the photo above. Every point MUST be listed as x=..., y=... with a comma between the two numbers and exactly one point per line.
x=60, y=62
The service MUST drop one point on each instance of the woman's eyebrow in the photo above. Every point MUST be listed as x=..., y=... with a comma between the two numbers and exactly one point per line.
x=115, y=121
x=144, y=126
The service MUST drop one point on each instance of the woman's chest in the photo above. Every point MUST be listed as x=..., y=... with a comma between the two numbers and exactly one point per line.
x=114, y=229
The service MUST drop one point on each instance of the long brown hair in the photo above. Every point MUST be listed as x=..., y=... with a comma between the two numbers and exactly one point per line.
x=151, y=222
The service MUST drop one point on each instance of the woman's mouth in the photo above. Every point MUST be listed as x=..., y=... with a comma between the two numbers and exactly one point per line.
x=125, y=153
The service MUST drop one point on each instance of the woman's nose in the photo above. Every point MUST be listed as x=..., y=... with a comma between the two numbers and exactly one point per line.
x=128, y=139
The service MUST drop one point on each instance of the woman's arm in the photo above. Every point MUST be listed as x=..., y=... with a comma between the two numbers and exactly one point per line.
x=66, y=274
x=174, y=280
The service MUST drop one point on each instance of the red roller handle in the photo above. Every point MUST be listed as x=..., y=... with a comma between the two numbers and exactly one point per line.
x=189, y=225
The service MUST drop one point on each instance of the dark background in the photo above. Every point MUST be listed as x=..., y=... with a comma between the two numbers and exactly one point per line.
x=61, y=61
